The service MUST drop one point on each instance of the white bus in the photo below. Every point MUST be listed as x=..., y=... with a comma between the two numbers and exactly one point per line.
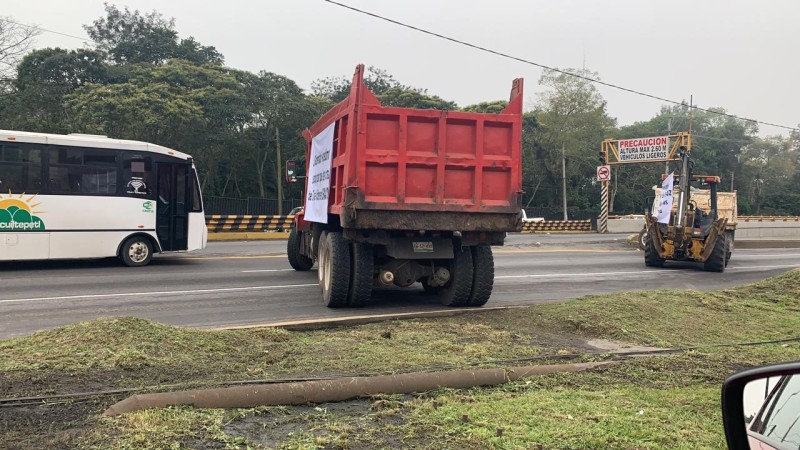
x=85, y=196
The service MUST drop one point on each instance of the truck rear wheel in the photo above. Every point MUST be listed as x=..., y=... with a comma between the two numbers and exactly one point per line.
x=334, y=267
x=297, y=260
x=483, y=275
x=716, y=260
x=361, y=273
x=456, y=291
x=651, y=256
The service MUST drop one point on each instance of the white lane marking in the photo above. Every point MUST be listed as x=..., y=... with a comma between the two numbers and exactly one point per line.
x=776, y=255
x=779, y=266
x=562, y=275
x=635, y=272
x=290, y=286
x=144, y=294
x=267, y=270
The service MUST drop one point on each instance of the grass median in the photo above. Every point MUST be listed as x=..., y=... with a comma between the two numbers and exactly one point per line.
x=665, y=401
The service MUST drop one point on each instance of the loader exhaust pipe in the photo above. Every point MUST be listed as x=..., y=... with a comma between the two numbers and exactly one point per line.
x=683, y=195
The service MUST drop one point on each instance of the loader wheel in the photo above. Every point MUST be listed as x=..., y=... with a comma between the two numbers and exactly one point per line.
x=716, y=260
x=297, y=260
x=730, y=243
x=334, y=268
x=642, y=242
x=360, y=274
x=651, y=256
x=482, y=277
x=456, y=291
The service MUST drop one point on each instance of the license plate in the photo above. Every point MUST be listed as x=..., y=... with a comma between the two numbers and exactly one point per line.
x=423, y=247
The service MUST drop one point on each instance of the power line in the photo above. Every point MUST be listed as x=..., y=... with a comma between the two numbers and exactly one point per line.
x=543, y=66
x=48, y=31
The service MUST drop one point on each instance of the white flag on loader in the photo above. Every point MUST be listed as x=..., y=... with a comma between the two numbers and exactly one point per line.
x=665, y=202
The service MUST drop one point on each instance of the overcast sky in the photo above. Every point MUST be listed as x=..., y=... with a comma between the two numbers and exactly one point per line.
x=740, y=55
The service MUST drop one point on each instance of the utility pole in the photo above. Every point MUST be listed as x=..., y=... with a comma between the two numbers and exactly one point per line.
x=564, y=178
x=279, y=173
x=669, y=132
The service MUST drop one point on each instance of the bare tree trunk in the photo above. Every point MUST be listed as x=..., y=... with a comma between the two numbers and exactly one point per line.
x=613, y=193
x=534, y=192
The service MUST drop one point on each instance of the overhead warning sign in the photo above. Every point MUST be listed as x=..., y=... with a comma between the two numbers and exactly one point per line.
x=603, y=173
x=644, y=149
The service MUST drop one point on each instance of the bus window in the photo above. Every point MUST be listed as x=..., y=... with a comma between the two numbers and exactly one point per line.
x=83, y=171
x=194, y=186
x=20, y=169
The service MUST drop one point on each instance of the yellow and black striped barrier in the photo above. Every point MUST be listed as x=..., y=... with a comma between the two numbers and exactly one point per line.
x=557, y=225
x=230, y=223
x=227, y=223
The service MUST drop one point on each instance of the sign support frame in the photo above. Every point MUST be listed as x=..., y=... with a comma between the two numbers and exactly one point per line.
x=610, y=147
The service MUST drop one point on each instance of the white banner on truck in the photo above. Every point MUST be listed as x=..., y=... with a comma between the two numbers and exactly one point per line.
x=319, y=176
x=665, y=202
x=644, y=149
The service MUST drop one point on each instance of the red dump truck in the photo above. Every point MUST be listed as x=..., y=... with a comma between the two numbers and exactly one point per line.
x=396, y=196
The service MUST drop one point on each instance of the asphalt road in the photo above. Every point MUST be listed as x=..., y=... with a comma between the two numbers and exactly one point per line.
x=246, y=283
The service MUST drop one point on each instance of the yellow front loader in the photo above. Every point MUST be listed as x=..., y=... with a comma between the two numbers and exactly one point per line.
x=692, y=233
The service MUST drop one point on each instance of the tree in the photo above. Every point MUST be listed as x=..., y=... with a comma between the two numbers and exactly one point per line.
x=571, y=115
x=411, y=98
x=131, y=37
x=44, y=78
x=15, y=41
x=495, y=107
x=389, y=91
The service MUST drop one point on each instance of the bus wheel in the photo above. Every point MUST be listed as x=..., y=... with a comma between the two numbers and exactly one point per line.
x=136, y=251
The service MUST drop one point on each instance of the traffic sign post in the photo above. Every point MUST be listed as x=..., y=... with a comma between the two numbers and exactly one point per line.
x=604, y=173
x=602, y=221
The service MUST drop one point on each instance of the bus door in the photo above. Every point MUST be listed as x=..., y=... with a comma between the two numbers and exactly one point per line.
x=173, y=202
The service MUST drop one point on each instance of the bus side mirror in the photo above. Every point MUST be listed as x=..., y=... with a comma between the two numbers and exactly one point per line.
x=291, y=171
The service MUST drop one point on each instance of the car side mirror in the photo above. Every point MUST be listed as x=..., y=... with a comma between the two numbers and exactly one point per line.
x=761, y=407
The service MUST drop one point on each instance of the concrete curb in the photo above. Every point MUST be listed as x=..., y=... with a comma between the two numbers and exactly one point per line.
x=314, y=324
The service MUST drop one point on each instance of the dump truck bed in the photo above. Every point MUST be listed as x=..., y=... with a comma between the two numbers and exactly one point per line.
x=412, y=169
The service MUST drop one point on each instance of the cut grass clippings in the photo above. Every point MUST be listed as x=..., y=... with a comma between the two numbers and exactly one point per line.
x=658, y=402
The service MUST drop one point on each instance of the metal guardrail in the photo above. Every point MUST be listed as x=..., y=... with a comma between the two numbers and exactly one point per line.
x=244, y=206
